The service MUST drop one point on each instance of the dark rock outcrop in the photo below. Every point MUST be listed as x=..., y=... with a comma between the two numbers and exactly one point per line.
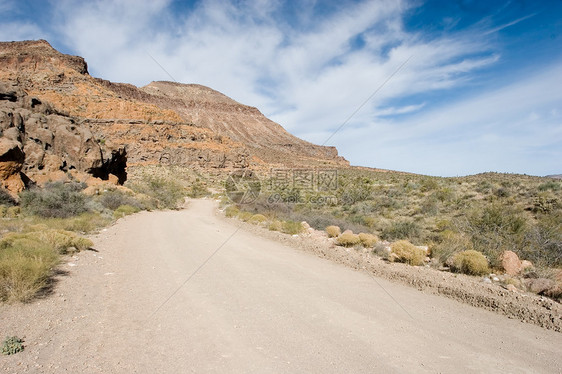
x=38, y=143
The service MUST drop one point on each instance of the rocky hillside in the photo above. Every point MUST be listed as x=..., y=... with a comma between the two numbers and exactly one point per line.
x=162, y=123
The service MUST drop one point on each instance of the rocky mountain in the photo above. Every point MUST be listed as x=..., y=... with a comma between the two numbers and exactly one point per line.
x=46, y=95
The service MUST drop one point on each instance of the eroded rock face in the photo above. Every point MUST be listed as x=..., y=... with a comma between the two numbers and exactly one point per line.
x=39, y=144
x=164, y=122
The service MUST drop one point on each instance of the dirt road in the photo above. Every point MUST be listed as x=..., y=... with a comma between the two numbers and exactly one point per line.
x=256, y=306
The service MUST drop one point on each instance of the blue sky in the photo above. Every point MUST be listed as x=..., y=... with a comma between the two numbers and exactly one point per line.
x=471, y=86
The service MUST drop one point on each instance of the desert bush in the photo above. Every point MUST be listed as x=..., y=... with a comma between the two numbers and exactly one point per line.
x=368, y=240
x=6, y=198
x=428, y=184
x=61, y=241
x=449, y=244
x=348, y=239
x=12, y=345
x=3, y=211
x=125, y=210
x=545, y=203
x=166, y=191
x=60, y=200
x=495, y=228
x=543, y=241
x=257, y=219
x=275, y=225
x=408, y=253
x=197, y=190
x=550, y=185
x=245, y=216
x=84, y=223
x=25, y=267
x=231, y=211
x=401, y=230
x=292, y=227
x=471, y=262
x=333, y=231
x=13, y=212
x=114, y=199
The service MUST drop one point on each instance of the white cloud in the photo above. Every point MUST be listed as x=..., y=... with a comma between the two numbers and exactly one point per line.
x=515, y=128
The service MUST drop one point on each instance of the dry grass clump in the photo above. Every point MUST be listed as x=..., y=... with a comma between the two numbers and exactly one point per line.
x=26, y=264
x=471, y=262
x=125, y=210
x=245, y=216
x=231, y=211
x=275, y=225
x=257, y=219
x=292, y=227
x=405, y=251
x=368, y=240
x=333, y=231
x=348, y=239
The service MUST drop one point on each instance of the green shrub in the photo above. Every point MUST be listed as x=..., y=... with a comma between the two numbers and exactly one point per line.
x=167, y=192
x=12, y=345
x=348, y=239
x=125, y=210
x=292, y=227
x=471, y=262
x=368, y=240
x=55, y=200
x=408, y=253
x=257, y=219
x=231, y=211
x=333, y=231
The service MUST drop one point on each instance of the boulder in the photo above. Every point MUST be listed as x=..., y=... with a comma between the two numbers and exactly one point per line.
x=525, y=264
x=510, y=263
x=539, y=285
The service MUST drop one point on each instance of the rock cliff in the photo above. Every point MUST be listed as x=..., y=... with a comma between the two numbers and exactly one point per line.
x=55, y=118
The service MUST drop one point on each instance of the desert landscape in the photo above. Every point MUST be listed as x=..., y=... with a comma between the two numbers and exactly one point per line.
x=170, y=228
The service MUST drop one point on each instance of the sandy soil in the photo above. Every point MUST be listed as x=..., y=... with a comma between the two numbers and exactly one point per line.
x=256, y=306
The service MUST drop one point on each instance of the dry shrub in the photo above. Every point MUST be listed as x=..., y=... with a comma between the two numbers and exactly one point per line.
x=245, y=216
x=333, y=231
x=275, y=225
x=471, y=262
x=61, y=241
x=60, y=200
x=231, y=211
x=368, y=240
x=125, y=210
x=257, y=219
x=292, y=227
x=450, y=244
x=25, y=267
x=348, y=239
x=408, y=253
